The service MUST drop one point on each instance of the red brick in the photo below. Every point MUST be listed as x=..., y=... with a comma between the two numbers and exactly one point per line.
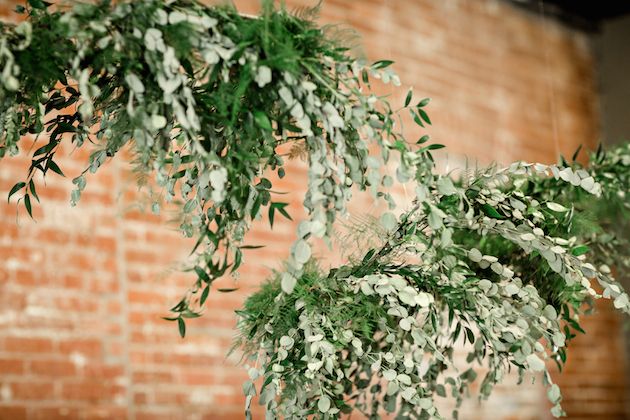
x=12, y=412
x=32, y=390
x=152, y=377
x=54, y=236
x=55, y=413
x=90, y=391
x=54, y=368
x=26, y=278
x=11, y=366
x=87, y=347
x=28, y=345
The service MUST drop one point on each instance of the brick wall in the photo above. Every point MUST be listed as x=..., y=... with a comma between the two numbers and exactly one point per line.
x=82, y=289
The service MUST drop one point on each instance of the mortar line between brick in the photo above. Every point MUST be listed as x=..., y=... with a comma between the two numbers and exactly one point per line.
x=121, y=264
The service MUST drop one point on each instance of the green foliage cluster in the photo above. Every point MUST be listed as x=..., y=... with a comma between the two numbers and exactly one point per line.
x=202, y=97
x=500, y=261
x=500, y=264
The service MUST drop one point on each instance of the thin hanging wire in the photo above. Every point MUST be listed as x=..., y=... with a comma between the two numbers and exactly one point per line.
x=550, y=82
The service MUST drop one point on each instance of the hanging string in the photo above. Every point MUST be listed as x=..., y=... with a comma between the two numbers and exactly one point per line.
x=550, y=82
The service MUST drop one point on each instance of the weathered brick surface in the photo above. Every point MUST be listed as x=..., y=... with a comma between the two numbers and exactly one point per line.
x=82, y=289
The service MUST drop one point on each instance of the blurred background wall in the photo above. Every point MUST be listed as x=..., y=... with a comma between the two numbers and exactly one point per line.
x=83, y=290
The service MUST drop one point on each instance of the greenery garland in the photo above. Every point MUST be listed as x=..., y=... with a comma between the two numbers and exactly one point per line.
x=203, y=97
x=500, y=265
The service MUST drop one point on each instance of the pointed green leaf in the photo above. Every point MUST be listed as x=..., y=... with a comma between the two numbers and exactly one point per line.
x=381, y=64
x=17, y=187
x=252, y=246
x=281, y=208
x=424, y=116
x=45, y=149
x=238, y=259
x=38, y=4
x=579, y=250
x=262, y=120
x=365, y=77
x=416, y=118
x=31, y=187
x=27, y=204
x=204, y=295
x=54, y=167
x=201, y=273
x=182, y=326
x=491, y=211
x=408, y=98
x=423, y=102
x=423, y=139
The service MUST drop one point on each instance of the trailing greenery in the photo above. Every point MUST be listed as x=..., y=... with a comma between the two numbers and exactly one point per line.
x=202, y=97
x=500, y=264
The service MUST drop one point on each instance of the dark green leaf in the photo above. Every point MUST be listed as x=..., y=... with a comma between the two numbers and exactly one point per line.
x=180, y=306
x=440, y=390
x=470, y=335
x=182, y=326
x=45, y=149
x=563, y=355
x=262, y=120
x=204, y=295
x=579, y=250
x=190, y=314
x=38, y=4
x=31, y=187
x=423, y=139
x=408, y=98
x=268, y=381
x=201, y=273
x=27, y=204
x=256, y=207
x=416, y=118
x=381, y=64
x=423, y=102
x=491, y=211
x=368, y=255
x=281, y=208
x=238, y=259
x=265, y=183
x=54, y=167
x=199, y=241
x=365, y=77
x=179, y=174
x=424, y=116
x=17, y=187
x=227, y=290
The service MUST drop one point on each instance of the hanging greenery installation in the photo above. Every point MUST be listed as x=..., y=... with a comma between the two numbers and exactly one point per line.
x=501, y=262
